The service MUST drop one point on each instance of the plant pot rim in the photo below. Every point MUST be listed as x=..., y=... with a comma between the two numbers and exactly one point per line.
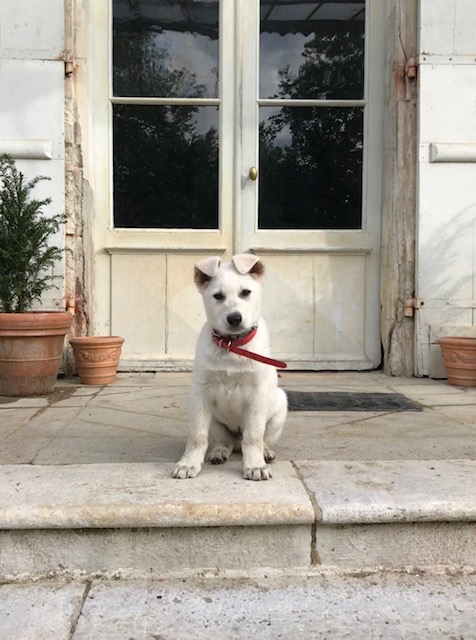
x=32, y=320
x=35, y=311
x=454, y=339
x=98, y=339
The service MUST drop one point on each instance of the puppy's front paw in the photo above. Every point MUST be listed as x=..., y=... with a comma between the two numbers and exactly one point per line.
x=257, y=473
x=183, y=471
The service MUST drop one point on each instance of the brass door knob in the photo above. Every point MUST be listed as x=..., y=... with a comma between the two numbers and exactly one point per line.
x=253, y=173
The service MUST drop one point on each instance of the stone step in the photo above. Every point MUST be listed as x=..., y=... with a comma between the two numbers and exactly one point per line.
x=134, y=519
x=393, y=513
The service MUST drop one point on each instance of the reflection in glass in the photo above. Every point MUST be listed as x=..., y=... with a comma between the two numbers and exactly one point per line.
x=312, y=50
x=310, y=168
x=165, y=48
x=165, y=167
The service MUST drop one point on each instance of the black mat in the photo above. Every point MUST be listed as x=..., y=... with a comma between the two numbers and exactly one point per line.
x=349, y=401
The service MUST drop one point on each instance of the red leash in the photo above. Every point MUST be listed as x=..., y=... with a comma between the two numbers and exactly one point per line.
x=234, y=344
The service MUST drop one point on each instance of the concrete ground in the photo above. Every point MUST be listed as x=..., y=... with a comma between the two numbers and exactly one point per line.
x=142, y=420
x=386, y=606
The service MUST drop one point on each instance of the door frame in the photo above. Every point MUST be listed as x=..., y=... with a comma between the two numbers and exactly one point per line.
x=235, y=188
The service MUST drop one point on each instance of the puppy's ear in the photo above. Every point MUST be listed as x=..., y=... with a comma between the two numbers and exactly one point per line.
x=249, y=263
x=205, y=270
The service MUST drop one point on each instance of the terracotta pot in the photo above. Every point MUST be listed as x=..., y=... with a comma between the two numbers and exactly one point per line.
x=459, y=356
x=31, y=345
x=97, y=358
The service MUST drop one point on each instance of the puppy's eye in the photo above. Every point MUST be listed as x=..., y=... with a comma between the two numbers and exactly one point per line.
x=245, y=293
x=218, y=296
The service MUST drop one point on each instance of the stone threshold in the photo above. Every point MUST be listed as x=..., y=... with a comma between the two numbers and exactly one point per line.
x=326, y=492
x=100, y=518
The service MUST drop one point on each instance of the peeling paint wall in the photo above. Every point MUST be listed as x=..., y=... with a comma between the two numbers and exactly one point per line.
x=399, y=189
x=74, y=196
x=79, y=159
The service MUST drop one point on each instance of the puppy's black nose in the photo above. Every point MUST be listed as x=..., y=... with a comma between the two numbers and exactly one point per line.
x=234, y=320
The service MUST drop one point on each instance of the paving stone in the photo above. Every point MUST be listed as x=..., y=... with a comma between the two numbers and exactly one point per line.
x=7, y=402
x=68, y=449
x=46, y=423
x=21, y=451
x=331, y=606
x=41, y=611
x=459, y=415
x=12, y=419
x=96, y=420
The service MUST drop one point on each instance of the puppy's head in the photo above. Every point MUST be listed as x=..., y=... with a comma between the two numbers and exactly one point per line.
x=231, y=292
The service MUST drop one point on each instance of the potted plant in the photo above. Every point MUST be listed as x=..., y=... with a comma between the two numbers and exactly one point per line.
x=31, y=342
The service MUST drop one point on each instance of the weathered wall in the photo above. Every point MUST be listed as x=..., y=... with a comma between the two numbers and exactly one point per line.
x=429, y=208
x=398, y=212
x=75, y=188
x=80, y=156
x=446, y=204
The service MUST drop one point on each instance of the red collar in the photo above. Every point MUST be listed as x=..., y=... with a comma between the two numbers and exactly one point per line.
x=234, y=344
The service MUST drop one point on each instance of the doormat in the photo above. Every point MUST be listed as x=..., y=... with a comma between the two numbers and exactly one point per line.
x=349, y=401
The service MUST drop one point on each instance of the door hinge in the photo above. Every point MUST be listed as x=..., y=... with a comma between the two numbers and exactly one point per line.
x=68, y=68
x=411, y=69
x=409, y=307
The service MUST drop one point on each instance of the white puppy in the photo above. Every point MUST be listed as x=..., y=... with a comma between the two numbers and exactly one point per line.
x=234, y=399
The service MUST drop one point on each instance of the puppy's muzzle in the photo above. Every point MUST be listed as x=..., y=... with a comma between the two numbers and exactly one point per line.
x=234, y=320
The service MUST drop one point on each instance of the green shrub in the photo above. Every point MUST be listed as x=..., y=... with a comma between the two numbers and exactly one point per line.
x=26, y=259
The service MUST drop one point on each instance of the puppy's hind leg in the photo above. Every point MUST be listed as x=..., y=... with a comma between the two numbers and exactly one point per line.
x=221, y=443
x=275, y=425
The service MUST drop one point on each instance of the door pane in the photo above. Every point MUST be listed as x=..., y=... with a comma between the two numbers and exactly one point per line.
x=312, y=49
x=165, y=166
x=310, y=168
x=165, y=48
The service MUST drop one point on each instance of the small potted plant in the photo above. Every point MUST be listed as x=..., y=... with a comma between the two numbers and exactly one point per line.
x=459, y=357
x=31, y=342
x=97, y=358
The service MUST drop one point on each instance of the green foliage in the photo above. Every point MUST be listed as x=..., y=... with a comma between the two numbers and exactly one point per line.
x=26, y=259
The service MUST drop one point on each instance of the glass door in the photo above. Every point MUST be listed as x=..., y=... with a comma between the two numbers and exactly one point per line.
x=239, y=125
x=310, y=172
x=306, y=104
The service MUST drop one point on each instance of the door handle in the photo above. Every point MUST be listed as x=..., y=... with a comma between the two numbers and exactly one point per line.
x=253, y=173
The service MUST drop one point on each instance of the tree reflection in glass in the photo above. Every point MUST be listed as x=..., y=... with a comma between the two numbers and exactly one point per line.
x=310, y=168
x=311, y=157
x=165, y=167
x=165, y=156
x=165, y=48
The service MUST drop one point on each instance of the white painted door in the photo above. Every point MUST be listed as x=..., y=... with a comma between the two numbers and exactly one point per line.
x=239, y=126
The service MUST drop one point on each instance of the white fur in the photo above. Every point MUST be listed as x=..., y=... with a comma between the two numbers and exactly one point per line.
x=234, y=400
